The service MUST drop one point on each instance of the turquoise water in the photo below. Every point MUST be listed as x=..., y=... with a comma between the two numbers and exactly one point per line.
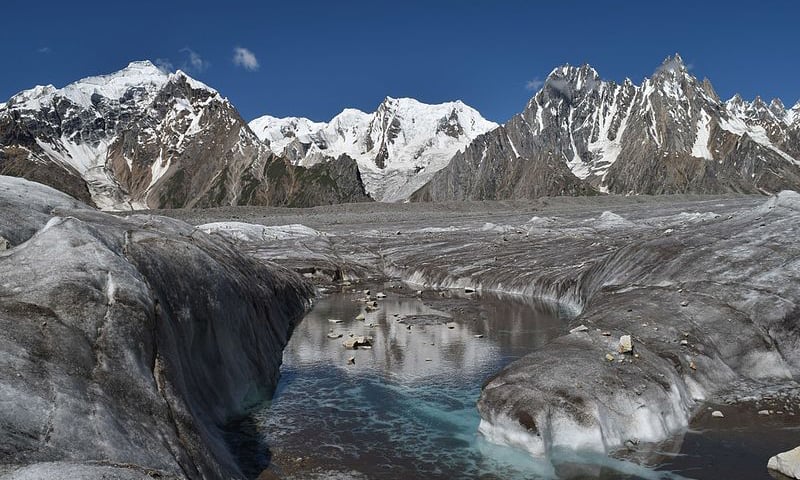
x=406, y=407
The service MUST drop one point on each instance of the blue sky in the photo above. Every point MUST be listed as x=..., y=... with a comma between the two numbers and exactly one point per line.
x=315, y=58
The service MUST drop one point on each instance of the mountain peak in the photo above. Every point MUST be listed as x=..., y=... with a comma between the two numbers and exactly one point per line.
x=574, y=72
x=777, y=108
x=793, y=115
x=138, y=72
x=143, y=74
x=143, y=65
x=736, y=99
x=672, y=66
x=673, y=62
x=567, y=79
x=195, y=84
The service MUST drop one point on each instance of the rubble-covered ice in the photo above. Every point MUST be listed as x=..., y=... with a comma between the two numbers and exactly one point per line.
x=712, y=302
x=127, y=344
x=249, y=232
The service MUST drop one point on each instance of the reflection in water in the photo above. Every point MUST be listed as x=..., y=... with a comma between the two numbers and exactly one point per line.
x=406, y=408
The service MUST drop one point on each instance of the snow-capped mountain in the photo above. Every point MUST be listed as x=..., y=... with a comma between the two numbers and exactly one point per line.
x=398, y=148
x=670, y=134
x=142, y=138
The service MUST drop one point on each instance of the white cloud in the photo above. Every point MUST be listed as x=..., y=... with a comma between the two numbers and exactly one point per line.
x=44, y=50
x=246, y=59
x=195, y=62
x=164, y=65
x=534, y=84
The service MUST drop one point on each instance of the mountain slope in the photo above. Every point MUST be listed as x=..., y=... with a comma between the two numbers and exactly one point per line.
x=670, y=134
x=398, y=148
x=141, y=138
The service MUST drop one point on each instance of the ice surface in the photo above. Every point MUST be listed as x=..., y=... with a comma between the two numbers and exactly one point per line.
x=257, y=233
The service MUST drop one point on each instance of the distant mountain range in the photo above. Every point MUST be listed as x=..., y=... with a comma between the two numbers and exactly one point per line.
x=671, y=134
x=398, y=148
x=141, y=138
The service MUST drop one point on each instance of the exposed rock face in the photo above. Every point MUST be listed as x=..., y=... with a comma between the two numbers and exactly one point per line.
x=671, y=134
x=140, y=138
x=128, y=344
x=489, y=169
x=398, y=147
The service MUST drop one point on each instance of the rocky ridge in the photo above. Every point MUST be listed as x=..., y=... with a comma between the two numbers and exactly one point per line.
x=142, y=138
x=398, y=147
x=670, y=134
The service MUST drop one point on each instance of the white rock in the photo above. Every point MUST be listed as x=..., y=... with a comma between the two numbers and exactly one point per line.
x=763, y=412
x=380, y=295
x=625, y=344
x=787, y=463
x=579, y=328
x=717, y=414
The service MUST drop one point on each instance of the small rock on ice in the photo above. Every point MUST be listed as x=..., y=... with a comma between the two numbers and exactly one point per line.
x=625, y=344
x=787, y=463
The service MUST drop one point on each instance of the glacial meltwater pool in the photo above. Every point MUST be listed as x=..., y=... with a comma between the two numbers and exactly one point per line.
x=405, y=409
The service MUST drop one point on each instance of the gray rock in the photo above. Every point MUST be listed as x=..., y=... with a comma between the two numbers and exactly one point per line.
x=357, y=342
